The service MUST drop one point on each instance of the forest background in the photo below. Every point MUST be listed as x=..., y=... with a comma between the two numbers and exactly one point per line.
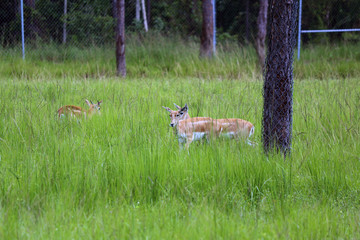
x=92, y=22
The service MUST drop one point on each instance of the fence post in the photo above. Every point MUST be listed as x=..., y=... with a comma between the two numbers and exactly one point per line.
x=22, y=29
x=299, y=31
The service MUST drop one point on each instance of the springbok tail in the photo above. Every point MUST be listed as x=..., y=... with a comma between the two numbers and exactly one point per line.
x=252, y=130
x=59, y=112
x=251, y=143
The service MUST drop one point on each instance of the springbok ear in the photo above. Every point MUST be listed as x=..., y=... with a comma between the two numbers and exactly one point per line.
x=87, y=102
x=177, y=106
x=167, y=109
x=184, y=109
x=99, y=102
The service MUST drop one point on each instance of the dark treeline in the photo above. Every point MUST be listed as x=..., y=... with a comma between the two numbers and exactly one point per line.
x=91, y=21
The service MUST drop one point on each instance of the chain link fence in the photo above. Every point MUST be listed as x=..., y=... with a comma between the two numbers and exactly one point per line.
x=85, y=22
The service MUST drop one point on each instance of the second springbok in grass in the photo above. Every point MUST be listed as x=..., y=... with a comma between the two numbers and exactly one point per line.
x=78, y=112
x=189, y=129
x=233, y=128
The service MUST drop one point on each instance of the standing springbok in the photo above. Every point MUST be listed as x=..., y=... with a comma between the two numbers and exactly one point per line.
x=233, y=128
x=189, y=129
x=77, y=112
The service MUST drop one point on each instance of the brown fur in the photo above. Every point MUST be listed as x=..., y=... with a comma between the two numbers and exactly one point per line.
x=185, y=127
x=76, y=111
x=190, y=126
x=240, y=127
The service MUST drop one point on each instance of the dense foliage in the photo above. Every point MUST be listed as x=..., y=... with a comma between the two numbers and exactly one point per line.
x=91, y=21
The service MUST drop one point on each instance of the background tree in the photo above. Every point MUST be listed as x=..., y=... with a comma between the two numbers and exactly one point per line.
x=31, y=19
x=144, y=15
x=120, y=37
x=91, y=22
x=206, y=39
x=148, y=11
x=278, y=85
x=261, y=35
x=137, y=11
x=64, y=24
x=247, y=23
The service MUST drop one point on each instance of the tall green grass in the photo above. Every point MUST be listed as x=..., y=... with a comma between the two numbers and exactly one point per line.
x=121, y=175
x=155, y=56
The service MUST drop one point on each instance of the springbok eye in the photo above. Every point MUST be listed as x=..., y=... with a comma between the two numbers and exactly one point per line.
x=181, y=113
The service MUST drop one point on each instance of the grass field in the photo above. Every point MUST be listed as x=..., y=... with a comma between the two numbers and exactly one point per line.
x=121, y=175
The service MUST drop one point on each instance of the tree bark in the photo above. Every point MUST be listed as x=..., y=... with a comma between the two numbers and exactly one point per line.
x=148, y=11
x=278, y=85
x=144, y=15
x=247, y=24
x=261, y=35
x=137, y=11
x=32, y=21
x=120, y=38
x=206, y=39
x=64, y=25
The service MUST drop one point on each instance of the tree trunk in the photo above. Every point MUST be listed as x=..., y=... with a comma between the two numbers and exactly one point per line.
x=120, y=38
x=137, y=11
x=261, y=35
x=148, y=12
x=247, y=24
x=32, y=21
x=114, y=14
x=206, y=39
x=65, y=19
x=144, y=15
x=278, y=85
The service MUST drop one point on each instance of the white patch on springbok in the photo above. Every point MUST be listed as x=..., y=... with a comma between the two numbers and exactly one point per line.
x=181, y=139
x=230, y=135
x=198, y=136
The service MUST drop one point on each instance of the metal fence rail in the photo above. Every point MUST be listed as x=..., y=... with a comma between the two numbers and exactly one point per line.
x=300, y=31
